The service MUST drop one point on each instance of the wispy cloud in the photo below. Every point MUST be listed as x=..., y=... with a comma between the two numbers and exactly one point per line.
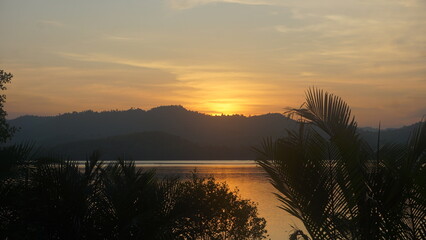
x=183, y=72
x=333, y=25
x=198, y=83
x=408, y=3
x=196, y=75
x=306, y=4
x=186, y=4
x=122, y=38
x=53, y=23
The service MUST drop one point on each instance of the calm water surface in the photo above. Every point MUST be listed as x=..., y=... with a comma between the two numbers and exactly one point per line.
x=247, y=176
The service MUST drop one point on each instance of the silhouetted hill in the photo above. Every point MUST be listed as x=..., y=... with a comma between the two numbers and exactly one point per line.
x=152, y=146
x=187, y=134
x=390, y=135
x=235, y=130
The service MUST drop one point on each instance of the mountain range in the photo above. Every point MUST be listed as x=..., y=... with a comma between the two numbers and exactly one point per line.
x=166, y=132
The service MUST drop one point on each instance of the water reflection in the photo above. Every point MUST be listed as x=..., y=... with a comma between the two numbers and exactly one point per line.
x=247, y=176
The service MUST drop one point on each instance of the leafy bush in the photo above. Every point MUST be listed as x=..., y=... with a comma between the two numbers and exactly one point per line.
x=209, y=210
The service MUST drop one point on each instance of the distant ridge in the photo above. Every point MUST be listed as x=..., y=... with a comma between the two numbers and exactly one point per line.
x=201, y=135
x=194, y=126
x=151, y=146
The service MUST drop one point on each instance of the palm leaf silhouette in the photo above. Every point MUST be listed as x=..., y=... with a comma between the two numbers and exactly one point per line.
x=341, y=188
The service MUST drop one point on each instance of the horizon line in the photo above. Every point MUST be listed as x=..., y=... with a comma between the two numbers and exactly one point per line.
x=208, y=113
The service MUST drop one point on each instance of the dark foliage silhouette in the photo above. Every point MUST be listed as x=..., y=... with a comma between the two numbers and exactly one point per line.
x=209, y=210
x=6, y=131
x=50, y=198
x=340, y=187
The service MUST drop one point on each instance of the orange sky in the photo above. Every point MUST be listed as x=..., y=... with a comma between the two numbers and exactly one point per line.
x=215, y=56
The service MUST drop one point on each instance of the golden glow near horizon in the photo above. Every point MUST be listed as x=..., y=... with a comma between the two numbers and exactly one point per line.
x=225, y=108
x=215, y=56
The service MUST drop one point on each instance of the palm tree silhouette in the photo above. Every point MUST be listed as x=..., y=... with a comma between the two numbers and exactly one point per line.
x=339, y=186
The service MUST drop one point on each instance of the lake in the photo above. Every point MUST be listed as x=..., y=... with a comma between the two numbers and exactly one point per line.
x=244, y=174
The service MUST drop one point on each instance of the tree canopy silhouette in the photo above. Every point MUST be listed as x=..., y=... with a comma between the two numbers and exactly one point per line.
x=6, y=131
x=50, y=198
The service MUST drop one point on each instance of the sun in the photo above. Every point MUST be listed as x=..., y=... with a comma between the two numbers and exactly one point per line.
x=223, y=108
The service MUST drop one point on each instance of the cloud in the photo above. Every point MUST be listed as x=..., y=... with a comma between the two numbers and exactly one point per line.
x=306, y=4
x=307, y=74
x=186, y=4
x=53, y=23
x=121, y=38
x=310, y=28
x=355, y=46
x=183, y=72
x=297, y=14
x=408, y=3
x=54, y=89
x=333, y=25
x=203, y=80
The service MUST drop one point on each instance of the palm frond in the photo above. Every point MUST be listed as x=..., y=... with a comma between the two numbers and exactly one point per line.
x=332, y=180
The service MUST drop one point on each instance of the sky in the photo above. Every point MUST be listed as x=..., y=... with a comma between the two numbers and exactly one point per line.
x=246, y=57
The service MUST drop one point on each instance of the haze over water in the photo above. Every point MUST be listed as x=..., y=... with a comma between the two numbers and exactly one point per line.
x=243, y=174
